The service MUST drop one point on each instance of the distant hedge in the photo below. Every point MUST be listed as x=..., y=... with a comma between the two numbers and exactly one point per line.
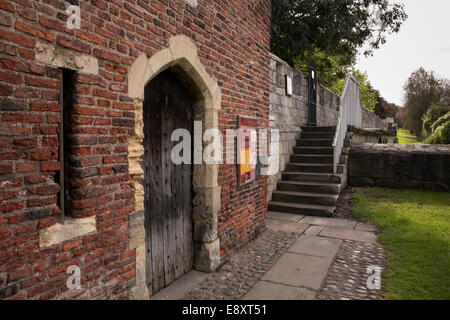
x=434, y=113
x=440, y=131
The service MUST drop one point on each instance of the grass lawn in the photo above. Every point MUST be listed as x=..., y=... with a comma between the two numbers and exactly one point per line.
x=405, y=137
x=416, y=237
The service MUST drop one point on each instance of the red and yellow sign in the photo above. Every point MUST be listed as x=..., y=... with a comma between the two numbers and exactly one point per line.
x=247, y=150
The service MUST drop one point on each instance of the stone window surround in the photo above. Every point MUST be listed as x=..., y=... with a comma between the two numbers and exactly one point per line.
x=54, y=55
x=182, y=58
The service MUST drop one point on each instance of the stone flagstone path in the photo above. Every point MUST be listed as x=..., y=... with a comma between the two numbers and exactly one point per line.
x=295, y=258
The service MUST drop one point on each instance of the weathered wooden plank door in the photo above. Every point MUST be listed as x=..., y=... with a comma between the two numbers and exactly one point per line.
x=312, y=96
x=168, y=187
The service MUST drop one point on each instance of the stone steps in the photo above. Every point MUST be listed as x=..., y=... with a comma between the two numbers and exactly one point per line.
x=318, y=135
x=302, y=209
x=309, y=185
x=319, y=129
x=314, y=150
x=304, y=186
x=315, y=143
x=305, y=197
x=313, y=167
x=311, y=158
x=312, y=177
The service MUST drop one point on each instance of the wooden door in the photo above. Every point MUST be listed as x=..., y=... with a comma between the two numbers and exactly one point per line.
x=312, y=96
x=168, y=187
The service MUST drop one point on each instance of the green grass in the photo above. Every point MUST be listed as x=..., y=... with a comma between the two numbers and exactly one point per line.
x=416, y=236
x=405, y=137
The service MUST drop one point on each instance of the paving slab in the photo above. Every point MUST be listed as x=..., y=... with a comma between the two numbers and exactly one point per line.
x=180, y=287
x=314, y=230
x=264, y=290
x=366, y=227
x=296, y=270
x=284, y=216
x=286, y=226
x=332, y=222
x=316, y=246
x=347, y=234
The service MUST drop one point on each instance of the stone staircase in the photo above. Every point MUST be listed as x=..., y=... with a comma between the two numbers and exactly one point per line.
x=308, y=185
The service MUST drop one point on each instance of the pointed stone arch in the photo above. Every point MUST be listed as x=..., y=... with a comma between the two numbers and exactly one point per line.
x=182, y=58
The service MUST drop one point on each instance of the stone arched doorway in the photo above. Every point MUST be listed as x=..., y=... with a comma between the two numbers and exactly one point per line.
x=182, y=59
x=167, y=186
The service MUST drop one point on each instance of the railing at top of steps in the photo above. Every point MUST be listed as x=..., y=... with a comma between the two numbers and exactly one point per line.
x=349, y=114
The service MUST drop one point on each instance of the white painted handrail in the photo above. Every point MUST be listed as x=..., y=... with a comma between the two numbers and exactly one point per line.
x=349, y=114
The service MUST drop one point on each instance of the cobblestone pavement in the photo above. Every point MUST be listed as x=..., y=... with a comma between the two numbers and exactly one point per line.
x=347, y=276
x=246, y=266
x=350, y=245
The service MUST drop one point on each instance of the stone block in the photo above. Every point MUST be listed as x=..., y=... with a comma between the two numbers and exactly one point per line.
x=264, y=290
x=207, y=255
x=205, y=176
x=64, y=58
x=299, y=270
x=347, y=234
x=72, y=228
x=205, y=227
x=316, y=246
x=207, y=201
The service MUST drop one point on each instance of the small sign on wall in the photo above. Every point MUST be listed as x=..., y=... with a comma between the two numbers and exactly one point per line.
x=247, y=148
x=288, y=85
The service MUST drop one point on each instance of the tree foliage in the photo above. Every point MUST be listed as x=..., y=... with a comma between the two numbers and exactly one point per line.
x=431, y=117
x=422, y=90
x=441, y=135
x=384, y=109
x=368, y=95
x=324, y=30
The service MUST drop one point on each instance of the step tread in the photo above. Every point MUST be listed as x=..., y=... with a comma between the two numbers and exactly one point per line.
x=302, y=205
x=325, y=174
x=307, y=194
x=311, y=164
x=323, y=127
x=310, y=183
x=323, y=132
x=313, y=155
x=314, y=148
x=303, y=139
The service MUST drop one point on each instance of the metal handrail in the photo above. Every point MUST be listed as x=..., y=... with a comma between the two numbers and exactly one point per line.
x=349, y=114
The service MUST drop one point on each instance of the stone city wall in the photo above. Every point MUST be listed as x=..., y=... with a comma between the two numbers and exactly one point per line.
x=400, y=166
x=289, y=113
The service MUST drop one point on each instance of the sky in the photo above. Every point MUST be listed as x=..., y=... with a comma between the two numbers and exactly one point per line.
x=423, y=41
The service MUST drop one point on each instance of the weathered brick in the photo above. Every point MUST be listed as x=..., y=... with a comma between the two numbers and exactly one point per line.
x=12, y=206
x=26, y=249
x=26, y=167
x=71, y=245
x=19, y=25
x=25, y=143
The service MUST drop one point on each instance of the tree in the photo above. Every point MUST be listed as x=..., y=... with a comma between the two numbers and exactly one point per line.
x=384, y=109
x=432, y=115
x=304, y=30
x=421, y=90
x=368, y=95
x=400, y=117
x=332, y=69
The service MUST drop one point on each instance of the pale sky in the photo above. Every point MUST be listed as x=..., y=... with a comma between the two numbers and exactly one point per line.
x=423, y=41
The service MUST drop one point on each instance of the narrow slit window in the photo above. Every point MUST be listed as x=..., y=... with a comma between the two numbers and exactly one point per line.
x=66, y=101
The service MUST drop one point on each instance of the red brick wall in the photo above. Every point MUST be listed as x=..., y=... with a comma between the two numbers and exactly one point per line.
x=233, y=39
